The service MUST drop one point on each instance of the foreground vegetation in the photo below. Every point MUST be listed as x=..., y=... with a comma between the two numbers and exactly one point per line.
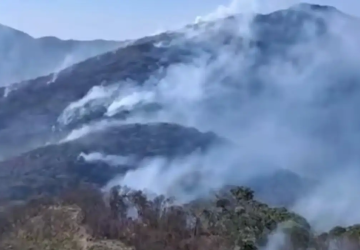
x=86, y=219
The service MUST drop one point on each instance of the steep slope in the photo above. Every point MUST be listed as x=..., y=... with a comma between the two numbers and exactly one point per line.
x=282, y=88
x=97, y=158
x=149, y=61
x=234, y=76
x=24, y=57
x=43, y=103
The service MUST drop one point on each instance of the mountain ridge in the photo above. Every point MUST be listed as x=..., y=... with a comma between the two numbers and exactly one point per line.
x=281, y=92
x=26, y=57
x=144, y=57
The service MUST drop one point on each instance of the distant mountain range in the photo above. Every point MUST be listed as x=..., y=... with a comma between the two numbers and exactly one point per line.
x=23, y=57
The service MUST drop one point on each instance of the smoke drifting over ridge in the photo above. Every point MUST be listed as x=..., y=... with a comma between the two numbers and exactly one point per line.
x=289, y=103
x=281, y=88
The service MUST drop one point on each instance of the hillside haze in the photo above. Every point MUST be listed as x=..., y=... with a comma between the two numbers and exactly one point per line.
x=24, y=57
x=268, y=102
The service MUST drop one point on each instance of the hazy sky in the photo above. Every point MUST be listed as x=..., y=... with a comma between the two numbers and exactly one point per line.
x=117, y=19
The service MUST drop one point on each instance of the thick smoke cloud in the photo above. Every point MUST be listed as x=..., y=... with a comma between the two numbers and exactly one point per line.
x=291, y=106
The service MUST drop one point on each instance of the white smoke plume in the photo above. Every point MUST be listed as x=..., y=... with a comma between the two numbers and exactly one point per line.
x=112, y=160
x=234, y=7
x=67, y=62
x=297, y=112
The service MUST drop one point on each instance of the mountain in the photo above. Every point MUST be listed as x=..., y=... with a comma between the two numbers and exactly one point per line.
x=140, y=83
x=268, y=101
x=46, y=107
x=96, y=158
x=24, y=57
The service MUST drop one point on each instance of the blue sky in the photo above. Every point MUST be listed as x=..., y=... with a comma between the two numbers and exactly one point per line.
x=115, y=19
x=110, y=19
